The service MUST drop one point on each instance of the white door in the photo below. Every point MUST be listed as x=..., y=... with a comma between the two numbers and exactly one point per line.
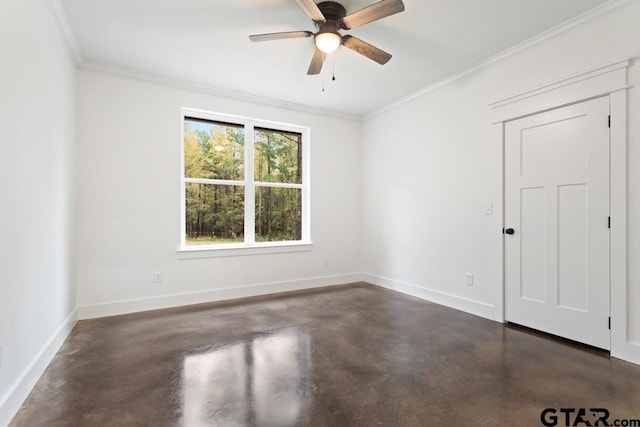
x=557, y=209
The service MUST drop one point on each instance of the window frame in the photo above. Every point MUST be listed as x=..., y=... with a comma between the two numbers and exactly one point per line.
x=249, y=246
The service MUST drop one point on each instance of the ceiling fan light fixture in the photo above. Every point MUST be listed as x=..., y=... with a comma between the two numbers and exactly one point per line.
x=328, y=42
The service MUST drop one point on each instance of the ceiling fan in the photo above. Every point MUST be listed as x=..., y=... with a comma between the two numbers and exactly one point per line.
x=329, y=17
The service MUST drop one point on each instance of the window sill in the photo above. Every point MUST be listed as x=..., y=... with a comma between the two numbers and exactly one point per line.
x=198, y=252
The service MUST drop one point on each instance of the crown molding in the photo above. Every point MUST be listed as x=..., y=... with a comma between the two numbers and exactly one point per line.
x=62, y=23
x=535, y=40
x=212, y=90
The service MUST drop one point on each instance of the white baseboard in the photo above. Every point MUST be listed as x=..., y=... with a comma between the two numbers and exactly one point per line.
x=452, y=301
x=115, y=308
x=10, y=403
x=628, y=351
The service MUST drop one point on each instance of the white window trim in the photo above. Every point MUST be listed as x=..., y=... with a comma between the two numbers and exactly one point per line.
x=249, y=246
x=262, y=248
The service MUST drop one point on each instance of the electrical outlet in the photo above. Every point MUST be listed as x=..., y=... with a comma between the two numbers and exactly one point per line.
x=326, y=262
x=469, y=279
x=157, y=277
x=488, y=208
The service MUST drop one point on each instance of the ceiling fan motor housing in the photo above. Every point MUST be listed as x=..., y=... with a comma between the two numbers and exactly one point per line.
x=333, y=13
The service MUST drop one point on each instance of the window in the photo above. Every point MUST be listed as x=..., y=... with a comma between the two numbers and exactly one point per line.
x=244, y=183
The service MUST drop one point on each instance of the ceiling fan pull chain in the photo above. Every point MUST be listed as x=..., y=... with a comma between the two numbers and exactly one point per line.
x=334, y=70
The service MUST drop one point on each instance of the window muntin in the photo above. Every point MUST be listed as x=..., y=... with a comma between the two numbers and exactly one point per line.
x=244, y=182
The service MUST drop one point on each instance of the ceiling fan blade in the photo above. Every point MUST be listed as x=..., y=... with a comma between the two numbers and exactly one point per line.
x=280, y=36
x=316, y=62
x=376, y=11
x=312, y=10
x=365, y=49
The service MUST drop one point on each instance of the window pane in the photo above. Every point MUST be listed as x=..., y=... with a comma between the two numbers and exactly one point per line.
x=278, y=214
x=213, y=150
x=278, y=156
x=215, y=214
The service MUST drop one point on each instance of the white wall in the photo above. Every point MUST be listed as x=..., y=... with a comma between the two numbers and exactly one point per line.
x=430, y=164
x=129, y=201
x=37, y=125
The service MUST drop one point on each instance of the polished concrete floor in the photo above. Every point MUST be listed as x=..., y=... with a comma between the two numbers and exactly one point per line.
x=351, y=355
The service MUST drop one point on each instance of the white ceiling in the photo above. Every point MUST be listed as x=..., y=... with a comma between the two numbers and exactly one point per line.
x=206, y=42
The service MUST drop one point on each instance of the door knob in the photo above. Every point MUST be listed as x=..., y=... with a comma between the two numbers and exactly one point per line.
x=509, y=231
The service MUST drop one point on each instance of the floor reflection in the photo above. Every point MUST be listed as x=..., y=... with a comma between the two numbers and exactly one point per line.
x=261, y=382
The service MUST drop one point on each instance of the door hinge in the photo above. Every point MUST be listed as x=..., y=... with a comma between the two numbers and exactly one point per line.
x=609, y=121
x=609, y=222
x=609, y=323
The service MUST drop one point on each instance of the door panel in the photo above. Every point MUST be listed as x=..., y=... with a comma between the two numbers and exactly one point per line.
x=572, y=246
x=557, y=200
x=546, y=148
x=533, y=244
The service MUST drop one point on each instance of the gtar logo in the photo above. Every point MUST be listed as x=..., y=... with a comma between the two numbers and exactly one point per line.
x=572, y=417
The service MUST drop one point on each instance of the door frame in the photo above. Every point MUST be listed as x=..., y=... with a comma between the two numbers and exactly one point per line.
x=607, y=80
